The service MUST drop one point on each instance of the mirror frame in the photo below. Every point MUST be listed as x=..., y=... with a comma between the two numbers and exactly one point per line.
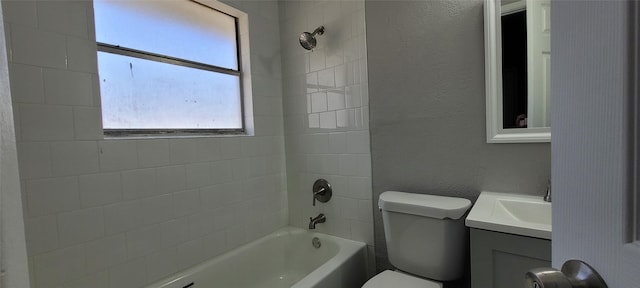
x=493, y=81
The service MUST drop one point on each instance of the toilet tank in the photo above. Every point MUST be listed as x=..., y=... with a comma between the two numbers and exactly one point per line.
x=425, y=234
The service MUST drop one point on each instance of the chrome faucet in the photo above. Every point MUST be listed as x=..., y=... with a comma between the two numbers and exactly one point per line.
x=318, y=219
x=547, y=196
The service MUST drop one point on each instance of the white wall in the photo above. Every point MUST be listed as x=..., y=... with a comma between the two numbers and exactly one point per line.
x=326, y=116
x=123, y=213
x=13, y=252
x=427, y=98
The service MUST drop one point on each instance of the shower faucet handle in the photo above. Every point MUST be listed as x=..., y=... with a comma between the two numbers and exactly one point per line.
x=321, y=191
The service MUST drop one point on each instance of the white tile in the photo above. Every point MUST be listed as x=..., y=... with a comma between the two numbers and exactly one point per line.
x=82, y=55
x=361, y=231
x=358, y=142
x=157, y=209
x=100, y=189
x=319, y=143
x=182, y=151
x=319, y=102
x=341, y=76
x=186, y=203
x=208, y=149
x=27, y=84
x=34, y=159
x=42, y=234
x=200, y=224
x=132, y=274
x=20, y=12
x=250, y=146
x=98, y=280
x=171, y=179
x=338, y=143
x=141, y=242
x=214, y=244
x=47, y=196
x=342, y=118
x=198, y=175
x=59, y=266
x=236, y=236
x=105, y=252
x=353, y=96
x=230, y=148
x=312, y=82
x=175, y=232
x=67, y=87
x=80, y=226
x=314, y=120
x=162, y=263
x=317, y=60
x=335, y=100
x=118, y=155
x=364, y=165
x=122, y=217
x=37, y=47
x=87, y=123
x=74, y=158
x=348, y=165
x=153, y=153
x=328, y=120
x=46, y=122
x=326, y=79
x=190, y=253
x=257, y=167
x=360, y=187
x=223, y=171
x=139, y=183
x=66, y=17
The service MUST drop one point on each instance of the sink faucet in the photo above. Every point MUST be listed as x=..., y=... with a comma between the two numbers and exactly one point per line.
x=547, y=196
x=318, y=219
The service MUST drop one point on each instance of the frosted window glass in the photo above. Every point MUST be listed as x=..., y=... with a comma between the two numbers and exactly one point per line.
x=143, y=94
x=181, y=29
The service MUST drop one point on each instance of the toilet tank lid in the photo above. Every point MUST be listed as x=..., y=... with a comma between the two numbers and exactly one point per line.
x=439, y=207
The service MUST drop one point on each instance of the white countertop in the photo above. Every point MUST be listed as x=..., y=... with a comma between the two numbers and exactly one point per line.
x=524, y=215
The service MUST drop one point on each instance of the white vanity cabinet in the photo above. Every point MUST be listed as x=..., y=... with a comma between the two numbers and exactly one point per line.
x=500, y=260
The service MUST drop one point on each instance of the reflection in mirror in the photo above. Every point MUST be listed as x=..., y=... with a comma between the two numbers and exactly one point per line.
x=517, y=38
x=514, y=63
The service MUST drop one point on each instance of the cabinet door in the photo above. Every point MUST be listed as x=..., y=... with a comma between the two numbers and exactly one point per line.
x=500, y=260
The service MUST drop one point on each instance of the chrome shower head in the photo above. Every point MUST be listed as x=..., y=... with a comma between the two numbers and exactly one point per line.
x=308, y=40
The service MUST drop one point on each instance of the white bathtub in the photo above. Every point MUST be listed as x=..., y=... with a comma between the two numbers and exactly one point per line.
x=285, y=258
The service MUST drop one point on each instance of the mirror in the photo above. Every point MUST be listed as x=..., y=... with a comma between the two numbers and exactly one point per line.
x=517, y=65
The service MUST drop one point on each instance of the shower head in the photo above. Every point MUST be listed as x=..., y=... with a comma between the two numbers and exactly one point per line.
x=308, y=40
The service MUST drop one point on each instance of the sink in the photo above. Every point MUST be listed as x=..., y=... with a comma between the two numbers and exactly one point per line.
x=524, y=215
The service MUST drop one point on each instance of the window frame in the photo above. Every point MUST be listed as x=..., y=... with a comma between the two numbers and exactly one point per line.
x=150, y=56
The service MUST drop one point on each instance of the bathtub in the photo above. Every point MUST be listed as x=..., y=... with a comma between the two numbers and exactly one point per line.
x=285, y=258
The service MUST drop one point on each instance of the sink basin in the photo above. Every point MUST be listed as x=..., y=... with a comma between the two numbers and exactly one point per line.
x=511, y=213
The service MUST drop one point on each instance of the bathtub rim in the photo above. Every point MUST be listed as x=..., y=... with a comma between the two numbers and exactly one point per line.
x=346, y=248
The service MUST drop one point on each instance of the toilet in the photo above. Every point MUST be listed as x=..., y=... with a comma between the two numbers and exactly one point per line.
x=426, y=239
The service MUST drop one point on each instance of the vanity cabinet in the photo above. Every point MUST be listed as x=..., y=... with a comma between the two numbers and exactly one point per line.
x=500, y=260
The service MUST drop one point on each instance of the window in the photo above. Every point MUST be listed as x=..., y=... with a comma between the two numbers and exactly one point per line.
x=168, y=67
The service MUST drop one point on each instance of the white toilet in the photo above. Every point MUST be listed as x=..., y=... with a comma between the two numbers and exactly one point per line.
x=426, y=237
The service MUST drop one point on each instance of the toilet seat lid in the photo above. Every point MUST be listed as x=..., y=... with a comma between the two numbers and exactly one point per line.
x=390, y=278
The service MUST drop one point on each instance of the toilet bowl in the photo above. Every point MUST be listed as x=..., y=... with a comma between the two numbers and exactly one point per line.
x=390, y=278
x=425, y=236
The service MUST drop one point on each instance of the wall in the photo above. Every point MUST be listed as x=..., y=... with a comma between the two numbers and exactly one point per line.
x=13, y=251
x=427, y=107
x=123, y=213
x=326, y=116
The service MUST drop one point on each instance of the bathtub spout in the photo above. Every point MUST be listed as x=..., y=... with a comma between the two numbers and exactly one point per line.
x=318, y=219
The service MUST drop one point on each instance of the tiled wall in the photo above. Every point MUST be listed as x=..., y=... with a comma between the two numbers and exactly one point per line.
x=326, y=116
x=123, y=213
